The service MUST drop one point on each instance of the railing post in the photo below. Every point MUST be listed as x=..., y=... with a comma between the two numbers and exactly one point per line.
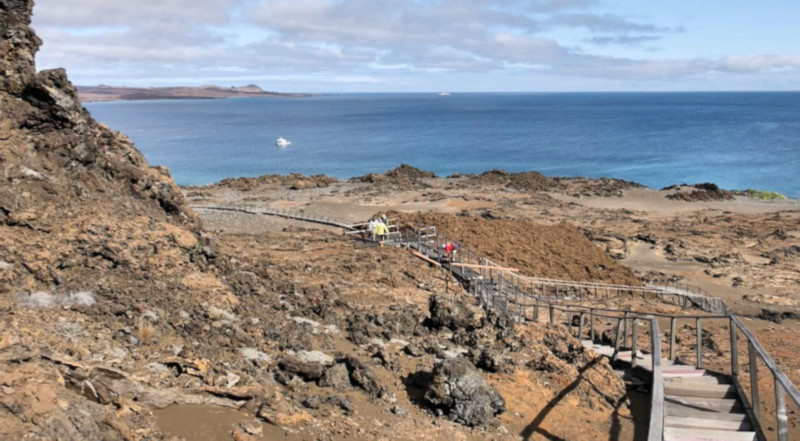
x=551, y=315
x=672, y=323
x=536, y=312
x=625, y=333
x=617, y=339
x=780, y=410
x=634, y=342
x=591, y=324
x=751, y=352
x=569, y=322
x=580, y=326
x=699, y=344
x=734, y=352
x=656, y=430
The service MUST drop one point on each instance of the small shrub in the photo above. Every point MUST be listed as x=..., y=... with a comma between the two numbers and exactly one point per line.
x=38, y=299
x=85, y=298
x=765, y=195
x=146, y=331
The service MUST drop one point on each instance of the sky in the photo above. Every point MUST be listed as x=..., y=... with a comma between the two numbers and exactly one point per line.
x=330, y=46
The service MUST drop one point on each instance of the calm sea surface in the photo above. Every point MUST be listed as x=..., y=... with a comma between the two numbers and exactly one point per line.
x=736, y=140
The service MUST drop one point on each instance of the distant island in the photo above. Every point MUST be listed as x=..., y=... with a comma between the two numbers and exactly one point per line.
x=112, y=93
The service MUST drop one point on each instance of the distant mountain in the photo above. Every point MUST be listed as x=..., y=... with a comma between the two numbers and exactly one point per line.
x=112, y=93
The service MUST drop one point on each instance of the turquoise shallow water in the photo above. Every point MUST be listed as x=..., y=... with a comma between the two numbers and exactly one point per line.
x=736, y=140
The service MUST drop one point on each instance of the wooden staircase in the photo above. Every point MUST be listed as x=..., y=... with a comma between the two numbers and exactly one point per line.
x=698, y=405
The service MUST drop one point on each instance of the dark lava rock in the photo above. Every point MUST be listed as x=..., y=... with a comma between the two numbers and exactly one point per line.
x=362, y=376
x=458, y=390
x=609, y=336
x=364, y=326
x=449, y=313
x=491, y=359
x=406, y=171
x=414, y=350
x=501, y=321
x=342, y=403
x=704, y=192
x=337, y=377
x=564, y=347
x=312, y=402
x=348, y=371
x=777, y=316
x=306, y=370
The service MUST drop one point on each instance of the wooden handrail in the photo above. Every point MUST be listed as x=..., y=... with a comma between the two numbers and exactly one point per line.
x=656, y=430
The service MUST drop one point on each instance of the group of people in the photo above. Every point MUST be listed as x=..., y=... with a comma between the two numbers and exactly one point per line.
x=379, y=227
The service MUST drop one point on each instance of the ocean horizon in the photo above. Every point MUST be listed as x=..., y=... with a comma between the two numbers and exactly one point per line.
x=737, y=140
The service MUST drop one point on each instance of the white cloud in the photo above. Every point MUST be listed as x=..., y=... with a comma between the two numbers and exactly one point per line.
x=361, y=41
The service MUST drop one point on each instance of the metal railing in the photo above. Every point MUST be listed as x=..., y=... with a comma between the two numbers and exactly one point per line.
x=782, y=385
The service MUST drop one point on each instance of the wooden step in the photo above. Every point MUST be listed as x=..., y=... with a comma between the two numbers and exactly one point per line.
x=677, y=367
x=707, y=404
x=626, y=355
x=607, y=351
x=700, y=390
x=670, y=372
x=682, y=434
x=710, y=379
x=706, y=423
x=678, y=410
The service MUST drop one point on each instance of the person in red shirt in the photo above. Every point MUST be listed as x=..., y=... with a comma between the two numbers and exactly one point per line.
x=449, y=251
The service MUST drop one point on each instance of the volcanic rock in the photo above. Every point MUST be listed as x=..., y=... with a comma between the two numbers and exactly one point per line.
x=458, y=390
x=450, y=313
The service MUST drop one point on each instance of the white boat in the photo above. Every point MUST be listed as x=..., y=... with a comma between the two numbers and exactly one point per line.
x=282, y=142
x=444, y=93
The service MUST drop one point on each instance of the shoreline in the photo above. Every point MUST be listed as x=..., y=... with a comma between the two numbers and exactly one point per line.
x=705, y=191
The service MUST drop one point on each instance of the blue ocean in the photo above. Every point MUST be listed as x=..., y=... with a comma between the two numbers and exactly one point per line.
x=736, y=140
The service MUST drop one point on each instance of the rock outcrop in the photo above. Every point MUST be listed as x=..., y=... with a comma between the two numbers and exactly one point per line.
x=97, y=249
x=458, y=390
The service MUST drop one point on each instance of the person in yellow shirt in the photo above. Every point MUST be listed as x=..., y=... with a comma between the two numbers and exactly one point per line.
x=382, y=231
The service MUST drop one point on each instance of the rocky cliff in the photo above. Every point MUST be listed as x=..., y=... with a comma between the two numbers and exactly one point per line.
x=90, y=238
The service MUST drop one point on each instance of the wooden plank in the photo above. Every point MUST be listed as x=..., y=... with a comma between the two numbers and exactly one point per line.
x=700, y=390
x=711, y=379
x=680, y=410
x=686, y=367
x=680, y=434
x=425, y=258
x=706, y=423
x=709, y=404
x=669, y=373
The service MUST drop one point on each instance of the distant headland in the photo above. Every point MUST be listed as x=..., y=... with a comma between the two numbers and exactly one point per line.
x=113, y=93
